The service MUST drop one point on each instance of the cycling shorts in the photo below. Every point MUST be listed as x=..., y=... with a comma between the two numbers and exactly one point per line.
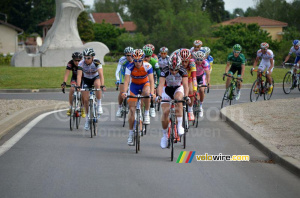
x=135, y=88
x=88, y=83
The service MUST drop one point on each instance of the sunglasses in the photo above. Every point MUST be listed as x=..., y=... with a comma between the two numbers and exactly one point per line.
x=76, y=60
x=199, y=59
x=185, y=61
x=128, y=55
x=87, y=58
x=138, y=61
x=174, y=70
x=237, y=52
x=147, y=56
x=163, y=53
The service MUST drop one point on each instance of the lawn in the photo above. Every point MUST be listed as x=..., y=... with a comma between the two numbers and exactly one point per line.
x=52, y=77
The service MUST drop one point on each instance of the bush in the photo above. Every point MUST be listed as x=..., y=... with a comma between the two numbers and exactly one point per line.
x=5, y=59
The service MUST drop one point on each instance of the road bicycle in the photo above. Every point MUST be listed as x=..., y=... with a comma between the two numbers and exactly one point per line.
x=260, y=87
x=92, y=113
x=173, y=136
x=230, y=92
x=291, y=79
x=75, y=111
x=196, y=105
x=138, y=127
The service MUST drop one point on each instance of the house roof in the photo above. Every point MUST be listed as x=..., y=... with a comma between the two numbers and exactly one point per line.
x=113, y=18
x=259, y=20
x=48, y=22
x=11, y=26
x=129, y=26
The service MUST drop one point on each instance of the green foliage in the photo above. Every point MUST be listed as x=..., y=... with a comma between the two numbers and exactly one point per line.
x=5, y=60
x=216, y=10
x=106, y=6
x=248, y=36
x=107, y=34
x=133, y=40
x=85, y=27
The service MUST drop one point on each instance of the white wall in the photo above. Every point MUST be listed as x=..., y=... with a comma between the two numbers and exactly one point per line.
x=8, y=40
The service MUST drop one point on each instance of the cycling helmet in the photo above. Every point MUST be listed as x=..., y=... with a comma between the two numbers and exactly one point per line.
x=77, y=55
x=163, y=50
x=237, y=48
x=89, y=52
x=138, y=54
x=174, y=62
x=148, y=51
x=185, y=54
x=197, y=43
x=296, y=42
x=199, y=55
x=207, y=50
x=151, y=46
x=264, y=45
x=128, y=50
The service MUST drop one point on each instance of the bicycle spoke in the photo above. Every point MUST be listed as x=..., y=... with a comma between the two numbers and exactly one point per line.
x=287, y=83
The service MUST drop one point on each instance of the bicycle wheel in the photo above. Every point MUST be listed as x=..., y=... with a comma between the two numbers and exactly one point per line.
x=158, y=106
x=185, y=120
x=91, y=113
x=254, y=92
x=95, y=121
x=287, y=83
x=267, y=95
x=195, y=112
x=72, y=115
x=137, y=134
x=226, y=98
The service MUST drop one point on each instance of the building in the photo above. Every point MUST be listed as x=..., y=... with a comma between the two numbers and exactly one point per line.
x=113, y=18
x=9, y=38
x=275, y=28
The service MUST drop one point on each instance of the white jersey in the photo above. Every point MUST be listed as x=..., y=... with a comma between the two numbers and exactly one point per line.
x=293, y=50
x=90, y=71
x=267, y=56
x=163, y=62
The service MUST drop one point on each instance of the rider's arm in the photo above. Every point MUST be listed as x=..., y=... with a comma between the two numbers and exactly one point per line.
x=118, y=72
x=157, y=70
x=100, y=71
x=287, y=58
x=160, y=87
x=207, y=76
x=66, y=75
x=255, y=62
x=243, y=70
x=126, y=81
x=185, y=83
x=79, y=76
x=194, y=80
x=227, y=67
x=272, y=64
x=151, y=80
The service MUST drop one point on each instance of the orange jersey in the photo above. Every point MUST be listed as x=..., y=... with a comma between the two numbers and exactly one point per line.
x=139, y=76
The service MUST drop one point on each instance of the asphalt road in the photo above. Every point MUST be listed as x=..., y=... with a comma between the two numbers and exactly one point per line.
x=52, y=161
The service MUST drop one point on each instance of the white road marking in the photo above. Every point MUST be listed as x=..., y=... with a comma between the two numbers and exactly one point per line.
x=12, y=141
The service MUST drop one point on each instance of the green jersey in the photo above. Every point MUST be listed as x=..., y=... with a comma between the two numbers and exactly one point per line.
x=155, y=67
x=236, y=61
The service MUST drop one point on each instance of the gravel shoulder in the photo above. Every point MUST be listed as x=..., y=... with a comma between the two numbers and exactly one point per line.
x=276, y=121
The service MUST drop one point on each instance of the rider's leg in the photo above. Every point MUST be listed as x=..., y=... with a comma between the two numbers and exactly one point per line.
x=165, y=123
x=179, y=110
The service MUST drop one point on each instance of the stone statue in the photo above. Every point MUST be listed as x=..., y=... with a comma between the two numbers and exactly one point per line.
x=61, y=40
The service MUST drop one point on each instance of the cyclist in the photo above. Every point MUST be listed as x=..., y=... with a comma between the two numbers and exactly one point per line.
x=237, y=61
x=120, y=74
x=91, y=72
x=141, y=74
x=208, y=57
x=72, y=66
x=176, y=79
x=197, y=46
x=164, y=58
x=189, y=64
x=154, y=63
x=153, y=49
x=296, y=50
x=202, y=67
x=267, y=61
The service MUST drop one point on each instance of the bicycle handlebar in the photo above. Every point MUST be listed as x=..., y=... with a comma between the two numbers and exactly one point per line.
x=90, y=89
x=199, y=86
x=138, y=96
x=234, y=78
x=174, y=101
x=63, y=89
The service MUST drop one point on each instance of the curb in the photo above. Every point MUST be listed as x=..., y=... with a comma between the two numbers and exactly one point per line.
x=270, y=150
x=21, y=116
x=107, y=89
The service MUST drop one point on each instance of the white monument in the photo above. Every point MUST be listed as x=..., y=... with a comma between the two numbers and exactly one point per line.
x=61, y=40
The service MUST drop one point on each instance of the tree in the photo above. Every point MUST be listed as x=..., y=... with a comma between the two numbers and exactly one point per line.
x=216, y=10
x=85, y=27
x=238, y=12
x=107, y=34
x=119, y=6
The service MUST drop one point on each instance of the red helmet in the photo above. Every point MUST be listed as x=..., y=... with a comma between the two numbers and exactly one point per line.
x=174, y=62
x=185, y=54
x=197, y=43
x=264, y=45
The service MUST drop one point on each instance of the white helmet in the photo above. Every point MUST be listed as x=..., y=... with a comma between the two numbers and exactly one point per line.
x=199, y=55
x=174, y=62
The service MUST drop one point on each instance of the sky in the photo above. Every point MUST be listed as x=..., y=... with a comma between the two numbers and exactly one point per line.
x=230, y=5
